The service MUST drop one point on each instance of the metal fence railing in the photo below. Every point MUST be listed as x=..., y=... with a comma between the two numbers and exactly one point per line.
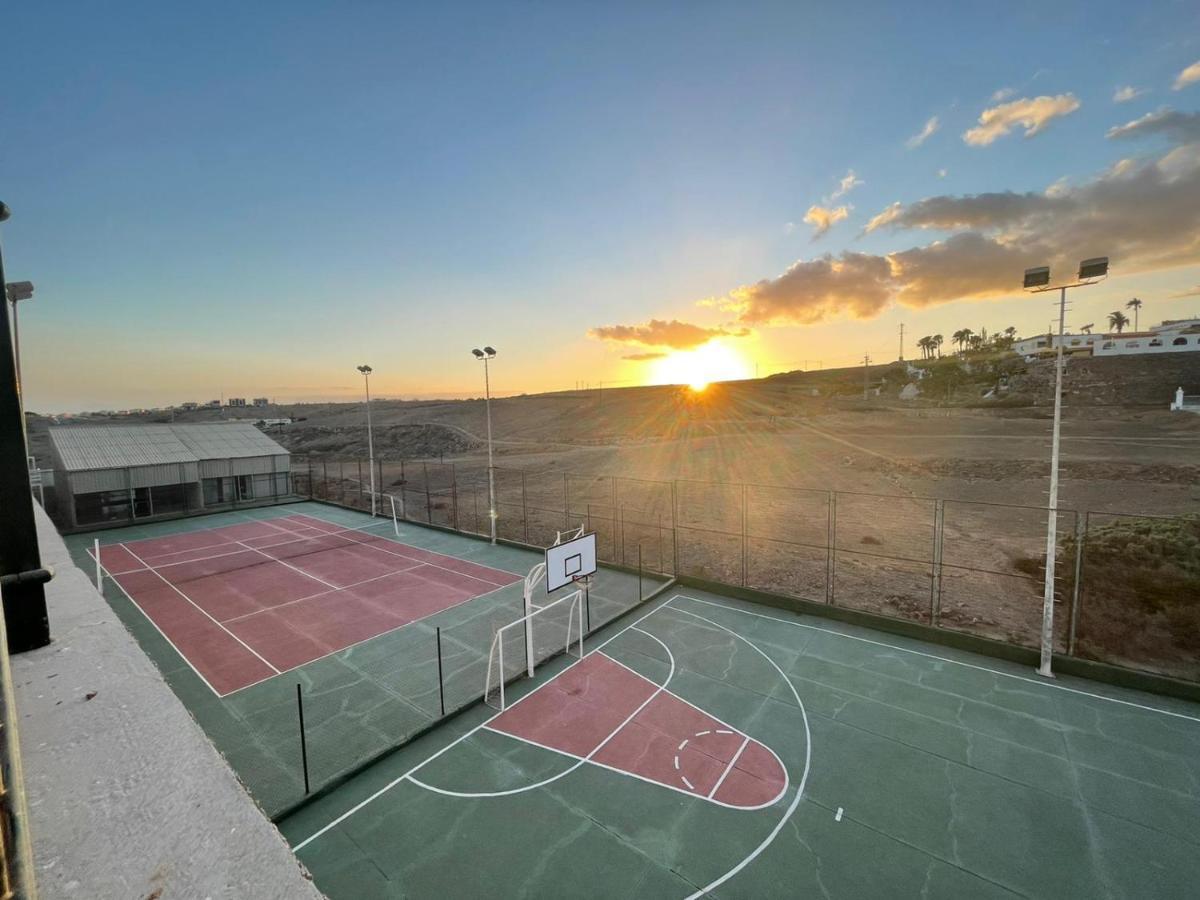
x=967, y=566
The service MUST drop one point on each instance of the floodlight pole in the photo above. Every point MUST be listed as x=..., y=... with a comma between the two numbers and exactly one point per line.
x=366, y=374
x=1086, y=277
x=487, y=393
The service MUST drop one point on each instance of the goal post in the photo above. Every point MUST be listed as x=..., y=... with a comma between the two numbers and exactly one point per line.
x=569, y=607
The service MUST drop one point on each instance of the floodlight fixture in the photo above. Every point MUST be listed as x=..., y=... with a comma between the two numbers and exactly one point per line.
x=19, y=290
x=366, y=370
x=1093, y=268
x=490, y=351
x=1037, y=277
x=478, y=354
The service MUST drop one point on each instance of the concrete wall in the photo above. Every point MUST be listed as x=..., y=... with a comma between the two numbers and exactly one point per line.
x=128, y=799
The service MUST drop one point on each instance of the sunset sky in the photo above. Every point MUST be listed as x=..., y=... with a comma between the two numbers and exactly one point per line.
x=251, y=198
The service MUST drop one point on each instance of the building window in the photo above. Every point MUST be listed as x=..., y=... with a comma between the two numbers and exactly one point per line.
x=1109, y=345
x=1156, y=343
x=1179, y=342
x=245, y=487
x=1132, y=344
x=1075, y=343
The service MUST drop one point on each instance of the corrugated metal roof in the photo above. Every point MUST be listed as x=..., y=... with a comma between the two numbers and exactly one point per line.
x=86, y=447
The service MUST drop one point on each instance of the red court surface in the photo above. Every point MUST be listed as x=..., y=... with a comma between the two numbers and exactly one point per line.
x=244, y=602
x=600, y=711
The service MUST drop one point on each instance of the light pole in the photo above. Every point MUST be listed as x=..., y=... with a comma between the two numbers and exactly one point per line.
x=1036, y=281
x=18, y=290
x=489, y=353
x=366, y=374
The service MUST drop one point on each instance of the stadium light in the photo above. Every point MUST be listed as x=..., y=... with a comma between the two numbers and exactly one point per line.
x=489, y=353
x=1037, y=280
x=366, y=374
x=18, y=290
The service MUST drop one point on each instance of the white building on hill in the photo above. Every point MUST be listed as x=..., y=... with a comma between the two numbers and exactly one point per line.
x=1171, y=336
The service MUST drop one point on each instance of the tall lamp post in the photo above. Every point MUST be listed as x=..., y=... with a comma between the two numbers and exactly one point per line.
x=366, y=374
x=1036, y=281
x=489, y=353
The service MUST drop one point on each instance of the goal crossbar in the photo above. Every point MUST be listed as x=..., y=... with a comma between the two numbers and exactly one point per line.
x=493, y=686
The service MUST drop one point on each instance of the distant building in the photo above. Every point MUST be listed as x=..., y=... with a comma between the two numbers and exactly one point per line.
x=237, y=401
x=262, y=401
x=191, y=404
x=118, y=474
x=1171, y=336
x=213, y=404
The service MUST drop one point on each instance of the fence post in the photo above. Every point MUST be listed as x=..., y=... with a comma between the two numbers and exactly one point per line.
x=619, y=530
x=358, y=462
x=675, y=527
x=566, y=502
x=428, y=498
x=743, y=534
x=831, y=550
x=639, y=571
x=935, y=580
x=454, y=495
x=303, y=739
x=1081, y=532
x=441, y=688
x=475, y=506
x=524, y=507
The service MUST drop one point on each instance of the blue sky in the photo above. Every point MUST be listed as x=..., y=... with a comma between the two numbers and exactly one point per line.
x=253, y=198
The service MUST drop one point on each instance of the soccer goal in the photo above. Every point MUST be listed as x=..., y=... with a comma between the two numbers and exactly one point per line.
x=559, y=629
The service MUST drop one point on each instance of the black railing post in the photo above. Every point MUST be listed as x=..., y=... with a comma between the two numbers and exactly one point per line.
x=441, y=683
x=640, y=594
x=524, y=507
x=24, y=600
x=303, y=739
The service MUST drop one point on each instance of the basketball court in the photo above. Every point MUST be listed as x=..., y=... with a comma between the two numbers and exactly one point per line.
x=705, y=746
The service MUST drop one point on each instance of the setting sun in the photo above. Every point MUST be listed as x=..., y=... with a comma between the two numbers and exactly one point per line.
x=698, y=368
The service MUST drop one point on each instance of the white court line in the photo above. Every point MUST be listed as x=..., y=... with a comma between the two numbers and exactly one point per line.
x=326, y=594
x=692, y=794
x=139, y=608
x=729, y=768
x=364, y=640
x=215, y=528
x=297, y=569
x=658, y=689
x=391, y=784
x=206, y=613
x=807, y=758
x=1037, y=681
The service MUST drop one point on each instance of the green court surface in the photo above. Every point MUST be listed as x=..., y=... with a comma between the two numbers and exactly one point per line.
x=362, y=701
x=912, y=770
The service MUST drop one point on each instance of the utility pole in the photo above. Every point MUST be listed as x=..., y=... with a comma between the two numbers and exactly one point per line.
x=866, y=371
x=901, y=342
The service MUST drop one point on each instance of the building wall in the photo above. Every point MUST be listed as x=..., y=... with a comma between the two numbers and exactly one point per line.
x=1120, y=345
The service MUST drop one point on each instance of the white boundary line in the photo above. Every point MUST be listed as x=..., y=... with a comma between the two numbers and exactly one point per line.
x=807, y=758
x=732, y=763
x=391, y=784
x=658, y=689
x=138, y=607
x=346, y=587
x=1037, y=681
x=364, y=640
x=297, y=569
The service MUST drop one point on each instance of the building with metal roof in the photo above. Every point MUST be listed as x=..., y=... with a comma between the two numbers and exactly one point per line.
x=116, y=474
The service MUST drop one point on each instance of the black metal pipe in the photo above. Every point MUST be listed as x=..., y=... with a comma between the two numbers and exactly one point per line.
x=303, y=740
x=24, y=602
x=441, y=683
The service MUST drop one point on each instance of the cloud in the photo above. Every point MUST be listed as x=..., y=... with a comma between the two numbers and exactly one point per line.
x=1193, y=292
x=1144, y=215
x=1032, y=114
x=1127, y=93
x=923, y=135
x=942, y=173
x=1002, y=94
x=822, y=218
x=661, y=333
x=848, y=183
x=1190, y=75
x=643, y=357
x=811, y=291
x=1180, y=128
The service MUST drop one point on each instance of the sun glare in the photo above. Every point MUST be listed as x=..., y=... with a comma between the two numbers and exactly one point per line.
x=700, y=367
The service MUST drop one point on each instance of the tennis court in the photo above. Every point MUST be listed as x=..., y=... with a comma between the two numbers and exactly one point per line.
x=308, y=640
x=245, y=602
x=707, y=746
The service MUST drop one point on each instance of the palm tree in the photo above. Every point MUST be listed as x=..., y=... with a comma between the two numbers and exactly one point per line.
x=924, y=344
x=936, y=344
x=1117, y=320
x=961, y=337
x=1086, y=329
x=1135, y=304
